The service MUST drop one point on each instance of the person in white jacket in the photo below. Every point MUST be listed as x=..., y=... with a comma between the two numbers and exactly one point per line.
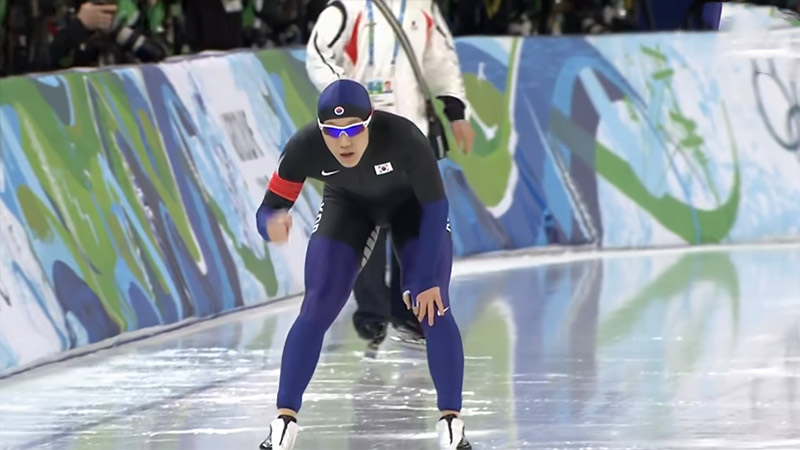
x=352, y=39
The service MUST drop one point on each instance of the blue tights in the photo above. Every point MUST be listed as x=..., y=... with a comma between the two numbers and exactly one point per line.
x=330, y=272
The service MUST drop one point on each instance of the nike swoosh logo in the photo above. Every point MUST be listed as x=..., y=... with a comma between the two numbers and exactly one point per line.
x=326, y=174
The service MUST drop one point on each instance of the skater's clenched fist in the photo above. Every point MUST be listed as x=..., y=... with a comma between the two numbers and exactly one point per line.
x=278, y=225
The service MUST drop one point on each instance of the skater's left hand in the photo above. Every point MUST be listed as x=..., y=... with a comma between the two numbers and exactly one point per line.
x=427, y=301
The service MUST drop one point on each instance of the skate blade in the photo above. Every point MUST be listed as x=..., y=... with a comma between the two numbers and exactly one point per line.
x=418, y=344
x=372, y=350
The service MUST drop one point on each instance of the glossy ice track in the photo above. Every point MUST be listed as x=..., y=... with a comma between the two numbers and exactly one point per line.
x=630, y=350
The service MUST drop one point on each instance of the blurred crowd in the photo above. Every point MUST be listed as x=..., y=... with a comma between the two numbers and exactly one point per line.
x=46, y=35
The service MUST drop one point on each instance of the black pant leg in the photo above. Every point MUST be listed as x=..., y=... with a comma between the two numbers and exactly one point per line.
x=371, y=292
x=400, y=316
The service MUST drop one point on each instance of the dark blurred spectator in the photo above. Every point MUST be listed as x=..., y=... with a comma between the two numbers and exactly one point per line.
x=80, y=37
x=45, y=35
x=106, y=32
x=42, y=35
x=497, y=17
x=26, y=38
x=480, y=16
x=666, y=15
x=790, y=5
x=214, y=24
x=3, y=33
x=271, y=23
x=669, y=15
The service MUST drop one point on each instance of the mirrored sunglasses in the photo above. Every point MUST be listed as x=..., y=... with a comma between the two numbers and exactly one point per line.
x=350, y=130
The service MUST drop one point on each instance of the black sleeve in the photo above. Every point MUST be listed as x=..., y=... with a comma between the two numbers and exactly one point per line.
x=69, y=48
x=453, y=107
x=287, y=181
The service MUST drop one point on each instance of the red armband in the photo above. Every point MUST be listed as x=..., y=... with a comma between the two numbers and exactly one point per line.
x=289, y=190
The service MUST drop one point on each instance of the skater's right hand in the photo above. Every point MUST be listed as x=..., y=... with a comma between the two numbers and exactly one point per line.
x=278, y=226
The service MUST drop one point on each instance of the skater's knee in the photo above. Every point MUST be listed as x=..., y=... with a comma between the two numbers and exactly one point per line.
x=319, y=309
x=445, y=324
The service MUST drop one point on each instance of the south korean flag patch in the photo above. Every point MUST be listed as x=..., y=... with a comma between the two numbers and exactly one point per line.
x=384, y=168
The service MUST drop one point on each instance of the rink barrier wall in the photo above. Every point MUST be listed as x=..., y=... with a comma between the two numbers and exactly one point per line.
x=128, y=194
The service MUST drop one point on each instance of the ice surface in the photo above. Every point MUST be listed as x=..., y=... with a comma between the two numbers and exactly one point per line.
x=656, y=350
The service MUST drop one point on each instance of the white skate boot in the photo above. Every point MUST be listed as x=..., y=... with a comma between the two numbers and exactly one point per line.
x=282, y=434
x=451, y=434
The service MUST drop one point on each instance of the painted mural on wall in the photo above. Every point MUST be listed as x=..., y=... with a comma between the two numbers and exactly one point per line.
x=618, y=142
x=128, y=198
x=128, y=194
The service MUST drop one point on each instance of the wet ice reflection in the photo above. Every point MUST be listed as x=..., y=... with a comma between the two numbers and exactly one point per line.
x=697, y=350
